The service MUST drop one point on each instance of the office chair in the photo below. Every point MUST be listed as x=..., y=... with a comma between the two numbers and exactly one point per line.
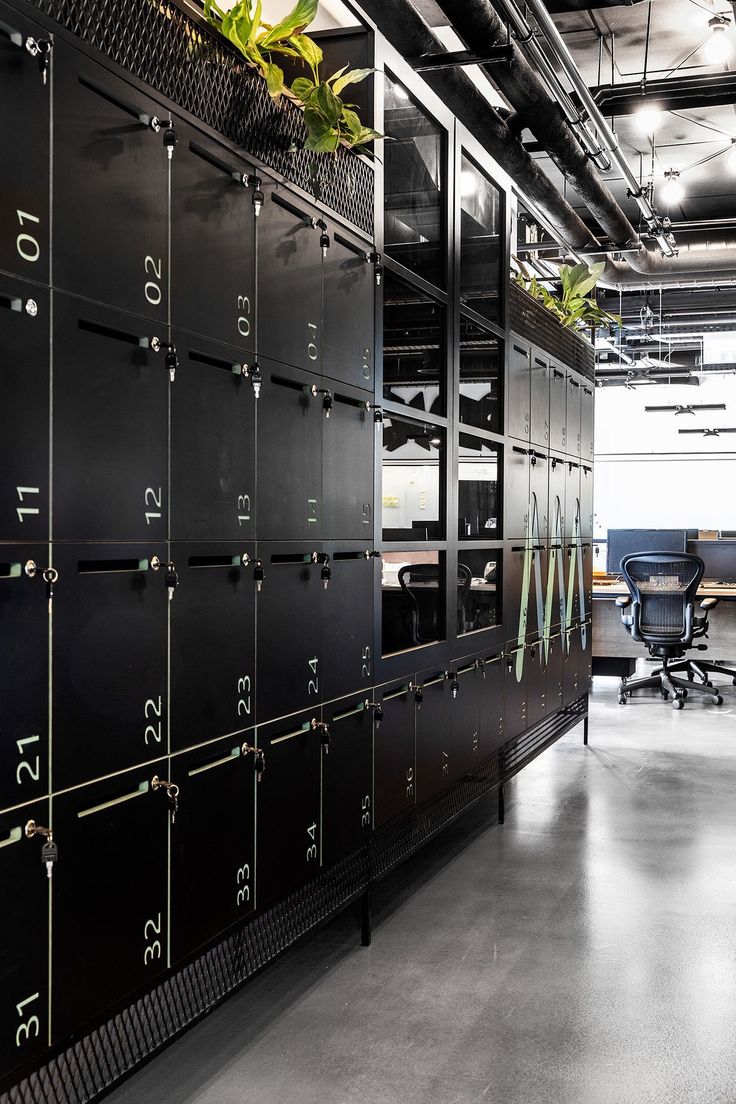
x=420, y=583
x=659, y=611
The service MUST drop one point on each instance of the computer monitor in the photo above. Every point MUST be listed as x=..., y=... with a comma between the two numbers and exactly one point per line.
x=623, y=542
x=719, y=557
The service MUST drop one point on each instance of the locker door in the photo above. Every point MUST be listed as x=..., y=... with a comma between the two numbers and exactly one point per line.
x=555, y=586
x=347, y=623
x=586, y=500
x=433, y=733
x=539, y=495
x=216, y=790
x=518, y=388
x=536, y=682
x=289, y=293
x=212, y=240
x=524, y=591
x=513, y=574
x=574, y=567
x=109, y=659
x=492, y=705
x=554, y=674
x=348, y=455
x=24, y=411
x=515, y=691
x=109, y=152
x=212, y=443
x=465, y=694
x=556, y=503
x=290, y=409
x=572, y=675
x=24, y=728
x=288, y=806
x=289, y=673
x=109, y=895
x=347, y=778
x=516, y=493
x=349, y=289
x=24, y=139
x=394, y=767
x=24, y=937
x=110, y=436
x=587, y=406
x=572, y=499
x=212, y=642
x=585, y=664
x=539, y=422
x=557, y=407
x=573, y=413
x=586, y=601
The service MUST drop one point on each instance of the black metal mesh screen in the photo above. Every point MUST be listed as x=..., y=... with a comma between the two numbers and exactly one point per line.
x=530, y=319
x=156, y=42
x=663, y=584
x=81, y=1073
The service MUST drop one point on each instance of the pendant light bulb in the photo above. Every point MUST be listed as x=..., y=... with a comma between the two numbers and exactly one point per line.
x=718, y=48
x=673, y=192
x=731, y=158
x=648, y=119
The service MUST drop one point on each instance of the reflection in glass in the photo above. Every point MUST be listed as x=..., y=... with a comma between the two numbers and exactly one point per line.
x=413, y=455
x=481, y=378
x=412, y=347
x=479, y=489
x=479, y=599
x=412, y=599
x=413, y=183
x=480, y=241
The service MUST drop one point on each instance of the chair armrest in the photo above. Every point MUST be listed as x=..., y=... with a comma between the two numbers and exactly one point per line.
x=709, y=603
x=623, y=601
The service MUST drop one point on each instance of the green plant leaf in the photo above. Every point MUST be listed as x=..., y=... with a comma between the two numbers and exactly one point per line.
x=274, y=79
x=323, y=143
x=336, y=75
x=355, y=76
x=294, y=23
x=256, y=21
x=302, y=88
x=308, y=50
x=351, y=122
x=315, y=121
x=367, y=134
x=328, y=103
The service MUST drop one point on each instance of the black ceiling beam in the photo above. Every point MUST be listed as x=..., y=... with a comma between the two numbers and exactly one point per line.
x=711, y=90
x=454, y=58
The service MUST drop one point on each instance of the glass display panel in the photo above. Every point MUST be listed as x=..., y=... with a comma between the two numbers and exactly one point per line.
x=413, y=184
x=413, y=352
x=413, y=480
x=481, y=378
x=480, y=478
x=479, y=593
x=412, y=599
x=481, y=251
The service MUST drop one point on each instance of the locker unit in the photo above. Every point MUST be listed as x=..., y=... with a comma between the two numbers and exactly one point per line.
x=539, y=399
x=465, y=706
x=557, y=484
x=538, y=495
x=515, y=690
x=213, y=617
x=348, y=449
x=525, y=567
x=346, y=614
x=557, y=406
x=347, y=777
x=573, y=412
x=433, y=696
x=348, y=304
x=536, y=679
x=572, y=526
x=554, y=690
x=587, y=403
x=575, y=679
x=394, y=763
x=586, y=500
x=516, y=492
x=518, y=388
x=555, y=584
x=492, y=704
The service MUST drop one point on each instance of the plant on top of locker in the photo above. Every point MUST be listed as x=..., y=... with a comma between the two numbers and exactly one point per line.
x=573, y=308
x=328, y=119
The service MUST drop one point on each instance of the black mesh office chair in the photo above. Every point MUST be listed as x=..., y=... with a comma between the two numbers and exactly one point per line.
x=420, y=583
x=659, y=611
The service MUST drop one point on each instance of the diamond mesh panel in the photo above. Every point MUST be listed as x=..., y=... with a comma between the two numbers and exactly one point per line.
x=530, y=319
x=156, y=42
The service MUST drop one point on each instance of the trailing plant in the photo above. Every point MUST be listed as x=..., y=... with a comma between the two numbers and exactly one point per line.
x=574, y=308
x=330, y=121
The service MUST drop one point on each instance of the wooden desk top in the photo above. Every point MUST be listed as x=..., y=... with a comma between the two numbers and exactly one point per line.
x=613, y=587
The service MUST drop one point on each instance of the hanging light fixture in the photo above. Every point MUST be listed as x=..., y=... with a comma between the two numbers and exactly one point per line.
x=673, y=192
x=719, y=46
x=648, y=118
x=731, y=157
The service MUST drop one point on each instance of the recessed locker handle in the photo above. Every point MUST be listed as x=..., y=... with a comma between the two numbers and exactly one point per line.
x=400, y=693
x=13, y=836
x=520, y=351
x=558, y=374
x=99, y=567
x=359, y=708
x=143, y=788
x=303, y=216
x=572, y=382
x=306, y=727
x=11, y=571
x=521, y=451
x=587, y=390
x=234, y=753
x=16, y=37
x=11, y=303
x=129, y=108
x=238, y=175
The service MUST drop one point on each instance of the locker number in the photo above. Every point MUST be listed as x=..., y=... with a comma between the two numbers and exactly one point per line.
x=244, y=696
x=27, y=246
x=242, y=883
x=29, y=1026
x=365, y=807
x=410, y=782
x=312, y=847
x=29, y=767
x=152, y=711
x=312, y=350
x=152, y=288
x=243, y=508
x=26, y=511
x=153, y=499
x=243, y=312
x=366, y=654
x=313, y=684
x=152, y=949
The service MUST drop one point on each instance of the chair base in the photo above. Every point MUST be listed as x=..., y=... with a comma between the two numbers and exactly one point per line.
x=701, y=668
x=672, y=688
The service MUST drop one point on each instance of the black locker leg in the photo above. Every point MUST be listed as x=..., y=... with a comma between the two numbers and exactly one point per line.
x=585, y=730
x=366, y=927
x=501, y=806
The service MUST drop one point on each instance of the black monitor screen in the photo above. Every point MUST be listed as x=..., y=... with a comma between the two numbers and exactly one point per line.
x=719, y=557
x=624, y=542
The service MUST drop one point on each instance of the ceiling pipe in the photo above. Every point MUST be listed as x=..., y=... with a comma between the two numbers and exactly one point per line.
x=559, y=7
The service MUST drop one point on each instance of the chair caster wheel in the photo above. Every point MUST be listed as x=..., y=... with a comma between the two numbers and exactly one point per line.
x=707, y=683
x=683, y=693
x=717, y=699
x=678, y=703
x=734, y=681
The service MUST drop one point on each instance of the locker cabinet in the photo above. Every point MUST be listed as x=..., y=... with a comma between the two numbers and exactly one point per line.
x=212, y=642
x=289, y=285
x=539, y=495
x=553, y=691
x=465, y=696
x=587, y=404
x=213, y=227
x=24, y=727
x=557, y=406
x=109, y=894
x=25, y=133
x=573, y=678
x=516, y=492
x=212, y=843
x=515, y=691
x=518, y=388
x=109, y=149
x=109, y=659
x=557, y=482
x=24, y=411
x=347, y=778
x=492, y=705
x=555, y=583
x=110, y=439
x=585, y=669
x=572, y=499
x=24, y=1022
x=346, y=612
x=348, y=454
x=574, y=568
x=432, y=732
x=291, y=408
x=213, y=453
x=535, y=682
x=288, y=806
x=289, y=673
x=586, y=500
x=394, y=767
x=573, y=412
x=586, y=587
x=524, y=588
x=349, y=289
x=539, y=418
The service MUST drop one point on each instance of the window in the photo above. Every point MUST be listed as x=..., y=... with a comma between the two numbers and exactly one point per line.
x=412, y=599
x=480, y=480
x=413, y=480
x=413, y=348
x=481, y=251
x=479, y=592
x=481, y=378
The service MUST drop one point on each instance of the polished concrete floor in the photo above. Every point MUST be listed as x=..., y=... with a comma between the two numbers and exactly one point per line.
x=582, y=953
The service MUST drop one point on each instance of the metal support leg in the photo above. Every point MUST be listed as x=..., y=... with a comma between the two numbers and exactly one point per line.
x=366, y=926
x=501, y=806
x=585, y=730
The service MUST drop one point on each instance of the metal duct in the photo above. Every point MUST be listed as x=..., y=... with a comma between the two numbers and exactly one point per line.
x=559, y=7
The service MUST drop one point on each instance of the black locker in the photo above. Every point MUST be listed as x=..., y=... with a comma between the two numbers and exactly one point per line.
x=535, y=682
x=24, y=666
x=525, y=567
x=574, y=569
x=348, y=457
x=573, y=412
x=24, y=138
x=24, y=412
x=290, y=606
x=394, y=765
x=347, y=621
x=212, y=843
x=347, y=778
x=465, y=696
x=516, y=492
x=586, y=594
x=213, y=247
x=23, y=938
x=212, y=642
x=518, y=388
x=557, y=406
x=433, y=697
x=492, y=705
x=585, y=657
x=555, y=583
x=291, y=413
x=539, y=495
x=213, y=453
x=556, y=482
x=554, y=672
x=289, y=283
x=586, y=500
x=110, y=201
x=110, y=440
x=109, y=659
x=539, y=421
x=288, y=806
x=348, y=324
x=572, y=675
x=109, y=894
x=587, y=404
x=572, y=499
x=515, y=691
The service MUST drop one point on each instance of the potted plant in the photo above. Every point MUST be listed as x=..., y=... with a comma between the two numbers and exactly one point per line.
x=574, y=308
